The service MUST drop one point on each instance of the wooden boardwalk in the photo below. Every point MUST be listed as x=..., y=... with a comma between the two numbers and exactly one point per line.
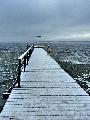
x=47, y=93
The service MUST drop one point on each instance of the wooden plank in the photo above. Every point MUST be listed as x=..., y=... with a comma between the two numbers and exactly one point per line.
x=47, y=93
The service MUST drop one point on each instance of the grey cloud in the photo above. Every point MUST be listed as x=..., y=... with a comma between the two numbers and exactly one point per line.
x=22, y=19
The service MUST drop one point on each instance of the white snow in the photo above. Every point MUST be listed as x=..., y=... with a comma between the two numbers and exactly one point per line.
x=47, y=93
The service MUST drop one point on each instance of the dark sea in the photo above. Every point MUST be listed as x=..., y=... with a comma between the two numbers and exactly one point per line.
x=76, y=52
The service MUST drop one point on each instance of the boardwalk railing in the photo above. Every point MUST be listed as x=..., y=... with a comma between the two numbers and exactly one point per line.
x=22, y=62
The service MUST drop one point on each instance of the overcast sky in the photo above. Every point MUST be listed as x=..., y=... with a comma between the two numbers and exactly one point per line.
x=23, y=20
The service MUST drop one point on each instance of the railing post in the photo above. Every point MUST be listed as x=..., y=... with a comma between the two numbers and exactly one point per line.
x=29, y=53
x=27, y=47
x=24, y=62
x=33, y=46
x=19, y=72
x=27, y=58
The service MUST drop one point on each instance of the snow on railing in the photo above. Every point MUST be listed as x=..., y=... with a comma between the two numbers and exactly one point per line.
x=23, y=61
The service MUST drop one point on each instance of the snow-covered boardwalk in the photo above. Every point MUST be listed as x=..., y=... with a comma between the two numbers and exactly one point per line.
x=47, y=93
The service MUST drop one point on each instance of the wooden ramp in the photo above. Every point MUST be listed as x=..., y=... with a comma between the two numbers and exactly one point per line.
x=47, y=93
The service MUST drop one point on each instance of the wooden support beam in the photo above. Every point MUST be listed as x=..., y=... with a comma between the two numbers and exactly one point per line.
x=6, y=95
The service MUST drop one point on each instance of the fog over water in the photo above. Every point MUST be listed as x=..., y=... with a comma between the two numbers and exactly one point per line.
x=23, y=20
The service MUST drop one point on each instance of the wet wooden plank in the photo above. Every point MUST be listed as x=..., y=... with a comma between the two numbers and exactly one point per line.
x=47, y=93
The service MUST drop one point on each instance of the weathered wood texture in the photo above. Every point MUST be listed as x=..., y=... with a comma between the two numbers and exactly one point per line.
x=46, y=93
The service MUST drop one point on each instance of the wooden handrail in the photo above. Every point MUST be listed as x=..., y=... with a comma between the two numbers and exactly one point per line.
x=30, y=48
x=23, y=61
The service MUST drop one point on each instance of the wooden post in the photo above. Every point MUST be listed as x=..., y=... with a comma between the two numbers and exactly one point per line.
x=29, y=53
x=27, y=47
x=33, y=46
x=27, y=56
x=24, y=62
x=19, y=72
